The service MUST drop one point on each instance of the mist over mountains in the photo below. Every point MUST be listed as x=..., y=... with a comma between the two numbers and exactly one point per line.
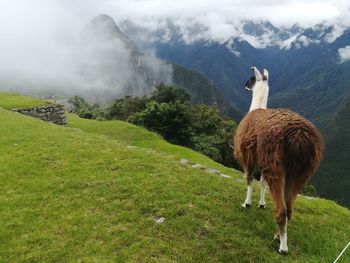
x=99, y=63
x=307, y=65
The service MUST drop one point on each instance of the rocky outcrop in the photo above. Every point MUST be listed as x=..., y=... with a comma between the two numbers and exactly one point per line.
x=51, y=113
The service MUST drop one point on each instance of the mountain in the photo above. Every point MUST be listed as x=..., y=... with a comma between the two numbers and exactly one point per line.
x=117, y=61
x=303, y=63
x=220, y=62
x=311, y=79
x=105, y=27
x=333, y=180
x=202, y=90
x=147, y=71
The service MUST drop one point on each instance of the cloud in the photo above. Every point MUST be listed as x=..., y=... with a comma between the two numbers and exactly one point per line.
x=212, y=12
x=279, y=12
x=344, y=54
x=219, y=19
x=46, y=48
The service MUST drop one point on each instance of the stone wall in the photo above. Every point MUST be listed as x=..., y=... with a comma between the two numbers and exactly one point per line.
x=51, y=113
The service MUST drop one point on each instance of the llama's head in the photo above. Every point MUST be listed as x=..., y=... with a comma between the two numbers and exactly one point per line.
x=257, y=79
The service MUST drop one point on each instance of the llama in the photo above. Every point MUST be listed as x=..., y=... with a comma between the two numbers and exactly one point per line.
x=283, y=146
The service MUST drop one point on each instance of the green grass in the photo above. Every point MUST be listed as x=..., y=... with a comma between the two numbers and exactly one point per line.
x=133, y=135
x=9, y=100
x=80, y=195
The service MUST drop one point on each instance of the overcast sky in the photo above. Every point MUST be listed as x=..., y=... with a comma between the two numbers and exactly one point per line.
x=52, y=16
x=285, y=12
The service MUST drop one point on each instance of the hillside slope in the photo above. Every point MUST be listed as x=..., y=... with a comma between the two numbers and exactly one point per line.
x=84, y=194
x=203, y=91
x=332, y=180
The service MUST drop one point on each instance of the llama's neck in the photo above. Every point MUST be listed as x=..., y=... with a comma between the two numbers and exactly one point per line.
x=260, y=95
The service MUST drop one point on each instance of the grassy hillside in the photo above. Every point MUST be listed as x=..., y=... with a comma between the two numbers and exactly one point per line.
x=83, y=194
x=332, y=180
x=137, y=136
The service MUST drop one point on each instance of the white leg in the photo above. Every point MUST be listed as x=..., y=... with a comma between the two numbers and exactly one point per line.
x=248, y=199
x=283, y=240
x=263, y=186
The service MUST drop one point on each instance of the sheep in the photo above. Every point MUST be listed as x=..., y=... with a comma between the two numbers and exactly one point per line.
x=283, y=146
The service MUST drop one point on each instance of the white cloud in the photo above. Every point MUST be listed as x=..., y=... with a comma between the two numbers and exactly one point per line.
x=305, y=12
x=220, y=18
x=337, y=31
x=45, y=47
x=344, y=53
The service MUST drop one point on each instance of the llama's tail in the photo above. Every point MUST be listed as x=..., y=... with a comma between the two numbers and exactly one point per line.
x=303, y=149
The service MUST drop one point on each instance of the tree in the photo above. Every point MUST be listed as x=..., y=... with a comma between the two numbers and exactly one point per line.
x=123, y=108
x=227, y=132
x=165, y=94
x=212, y=134
x=171, y=120
x=84, y=109
x=206, y=119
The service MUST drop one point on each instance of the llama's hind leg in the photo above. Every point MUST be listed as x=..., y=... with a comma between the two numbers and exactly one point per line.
x=290, y=197
x=248, y=200
x=277, y=192
x=292, y=190
x=263, y=186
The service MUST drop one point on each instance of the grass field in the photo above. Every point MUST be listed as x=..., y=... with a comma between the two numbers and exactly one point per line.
x=9, y=100
x=137, y=136
x=81, y=194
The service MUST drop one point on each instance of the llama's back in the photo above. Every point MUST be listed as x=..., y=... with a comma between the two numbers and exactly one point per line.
x=295, y=140
x=279, y=137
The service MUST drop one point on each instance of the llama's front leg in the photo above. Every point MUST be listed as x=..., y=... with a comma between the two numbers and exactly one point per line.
x=263, y=186
x=248, y=200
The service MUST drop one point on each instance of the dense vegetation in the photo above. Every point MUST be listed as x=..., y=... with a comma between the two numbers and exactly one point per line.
x=84, y=109
x=82, y=194
x=168, y=112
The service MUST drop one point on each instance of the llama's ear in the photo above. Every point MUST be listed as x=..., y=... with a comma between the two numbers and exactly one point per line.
x=257, y=73
x=265, y=74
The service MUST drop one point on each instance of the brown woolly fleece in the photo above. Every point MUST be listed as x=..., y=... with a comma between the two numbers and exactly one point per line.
x=279, y=143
